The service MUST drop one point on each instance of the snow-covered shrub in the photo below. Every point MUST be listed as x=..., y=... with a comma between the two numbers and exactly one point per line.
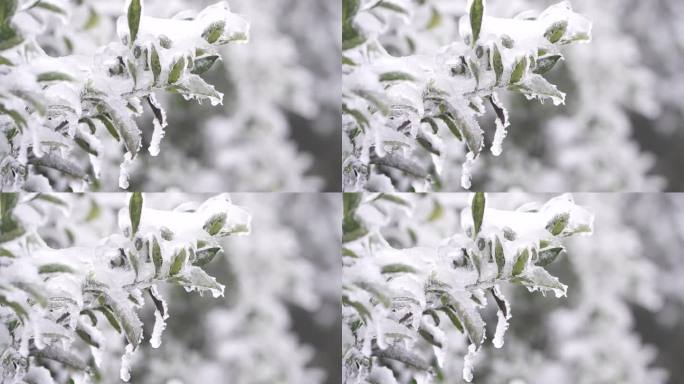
x=598, y=141
x=59, y=114
x=289, y=261
x=405, y=307
x=61, y=304
x=398, y=110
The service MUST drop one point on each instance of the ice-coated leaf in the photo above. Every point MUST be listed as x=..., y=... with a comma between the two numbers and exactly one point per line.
x=206, y=255
x=55, y=268
x=470, y=318
x=535, y=86
x=556, y=31
x=546, y=63
x=61, y=356
x=7, y=10
x=215, y=223
x=194, y=278
x=178, y=262
x=497, y=64
x=135, y=210
x=519, y=70
x=214, y=31
x=520, y=262
x=155, y=64
x=176, y=70
x=157, y=259
x=558, y=223
x=499, y=257
x=133, y=15
x=477, y=210
x=396, y=76
x=476, y=14
x=398, y=268
x=548, y=256
x=203, y=63
x=538, y=279
x=54, y=76
x=127, y=318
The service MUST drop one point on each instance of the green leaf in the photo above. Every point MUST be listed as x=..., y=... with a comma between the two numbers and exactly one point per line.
x=520, y=262
x=477, y=210
x=155, y=64
x=134, y=11
x=54, y=76
x=429, y=337
x=556, y=31
x=134, y=211
x=196, y=278
x=398, y=268
x=85, y=336
x=349, y=9
x=363, y=312
x=519, y=70
x=548, y=256
x=435, y=19
x=178, y=262
x=109, y=315
x=202, y=64
x=177, y=70
x=471, y=319
x=157, y=259
x=215, y=223
x=51, y=7
x=544, y=64
x=437, y=211
x=55, y=268
x=497, y=64
x=499, y=257
x=109, y=126
x=451, y=125
x=125, y=126
x=476, y=13
x=8, y=201
x=7, y=9
x=130, y=323
x=9, y=37
x=52, y=352
x=449, y=311
x=558, y=223
x=538, y=278
x=206, y=255
x=214, y=31
x=396, y=76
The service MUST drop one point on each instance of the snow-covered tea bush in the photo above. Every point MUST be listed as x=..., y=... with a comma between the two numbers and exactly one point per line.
x=59, y=114
x=62, y=299
x=401, y=113
x=407, y=310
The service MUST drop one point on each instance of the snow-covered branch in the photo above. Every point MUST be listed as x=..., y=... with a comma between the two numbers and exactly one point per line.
x=401, y=304
x=408, y=106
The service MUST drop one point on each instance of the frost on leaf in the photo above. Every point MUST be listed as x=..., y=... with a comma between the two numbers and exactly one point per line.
x=410, y=304
x=402, y=112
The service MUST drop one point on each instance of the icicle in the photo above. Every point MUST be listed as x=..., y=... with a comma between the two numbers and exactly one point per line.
x=125, y=372
x=159, y=318
x=124, y=170
x=468, y=363
x=159, y=122
x=466, y=170
x=502, y=122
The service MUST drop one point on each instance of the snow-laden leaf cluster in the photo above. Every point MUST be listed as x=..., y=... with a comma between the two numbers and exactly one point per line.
x=403, y=306
x=59, y=114
x=401, y=113
x=58, y=302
